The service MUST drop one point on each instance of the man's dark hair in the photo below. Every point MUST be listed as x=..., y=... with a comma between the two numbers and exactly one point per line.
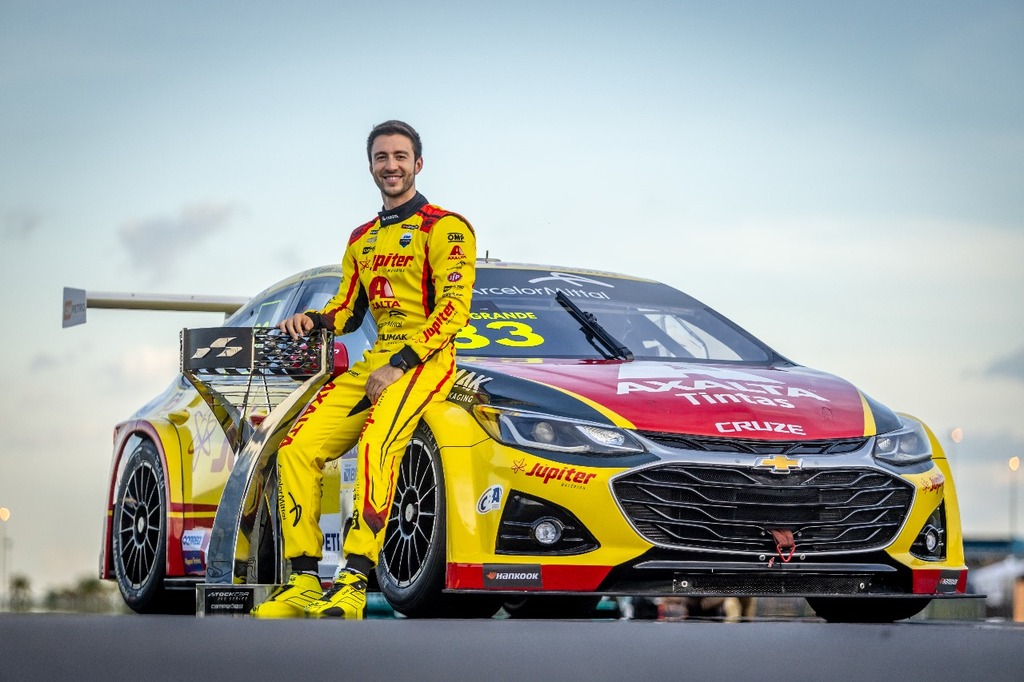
x=394, y=127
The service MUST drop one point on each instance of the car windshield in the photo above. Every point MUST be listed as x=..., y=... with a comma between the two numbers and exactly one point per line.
x=514, y=313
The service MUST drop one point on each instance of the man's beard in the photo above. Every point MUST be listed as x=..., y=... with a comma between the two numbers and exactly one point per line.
x=395, y=191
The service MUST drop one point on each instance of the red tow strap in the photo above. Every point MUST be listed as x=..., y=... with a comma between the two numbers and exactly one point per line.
x=784, y=540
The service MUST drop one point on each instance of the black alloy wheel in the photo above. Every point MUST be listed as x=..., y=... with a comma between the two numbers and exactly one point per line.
x=140, y=535
x=412, y=563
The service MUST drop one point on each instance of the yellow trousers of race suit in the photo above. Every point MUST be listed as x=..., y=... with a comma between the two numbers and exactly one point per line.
x=339, y=417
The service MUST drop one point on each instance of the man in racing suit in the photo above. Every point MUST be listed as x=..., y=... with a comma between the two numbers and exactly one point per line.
x=413, y=268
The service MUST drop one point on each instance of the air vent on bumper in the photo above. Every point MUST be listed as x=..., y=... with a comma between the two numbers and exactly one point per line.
x=530, y=525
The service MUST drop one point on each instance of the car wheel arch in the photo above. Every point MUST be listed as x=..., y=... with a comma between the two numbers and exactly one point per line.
x=129, y=439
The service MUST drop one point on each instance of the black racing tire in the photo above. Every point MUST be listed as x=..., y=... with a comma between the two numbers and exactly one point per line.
x=139, y=544
x=412, y=563
x=866, y=609
x=545, y=607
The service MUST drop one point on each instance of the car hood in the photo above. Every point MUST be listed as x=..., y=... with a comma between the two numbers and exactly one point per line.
x=706, y=399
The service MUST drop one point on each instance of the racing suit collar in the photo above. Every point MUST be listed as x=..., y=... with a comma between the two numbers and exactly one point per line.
x=403, y=212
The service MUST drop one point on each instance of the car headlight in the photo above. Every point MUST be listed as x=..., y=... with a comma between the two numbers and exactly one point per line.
x=907, y=445
x=561, y=434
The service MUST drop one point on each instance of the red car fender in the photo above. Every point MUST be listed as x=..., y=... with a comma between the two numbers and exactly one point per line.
x=123, y=435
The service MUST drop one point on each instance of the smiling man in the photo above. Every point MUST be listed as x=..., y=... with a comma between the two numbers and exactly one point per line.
x=413, y=268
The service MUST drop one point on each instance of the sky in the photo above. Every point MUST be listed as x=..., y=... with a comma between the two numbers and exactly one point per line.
x=844, y=180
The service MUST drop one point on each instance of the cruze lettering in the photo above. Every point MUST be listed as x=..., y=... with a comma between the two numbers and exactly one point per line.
x=769, y=427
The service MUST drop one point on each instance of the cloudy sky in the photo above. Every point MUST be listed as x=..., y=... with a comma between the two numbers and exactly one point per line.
x=845, y=180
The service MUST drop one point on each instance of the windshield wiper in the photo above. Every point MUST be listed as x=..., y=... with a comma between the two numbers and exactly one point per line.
x=595, y=333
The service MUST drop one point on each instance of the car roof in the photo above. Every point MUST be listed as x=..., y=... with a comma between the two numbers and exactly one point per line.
x=334, y=269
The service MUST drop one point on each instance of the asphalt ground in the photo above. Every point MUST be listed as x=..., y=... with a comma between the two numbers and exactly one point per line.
x=144, y=648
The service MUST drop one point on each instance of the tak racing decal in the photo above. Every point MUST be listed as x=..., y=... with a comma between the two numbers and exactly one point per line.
x=467, y=386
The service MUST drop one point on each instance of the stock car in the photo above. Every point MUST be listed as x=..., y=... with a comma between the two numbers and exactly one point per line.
x=606, y=435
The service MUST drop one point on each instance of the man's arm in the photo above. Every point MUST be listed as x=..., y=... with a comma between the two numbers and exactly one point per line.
x=452, y=256
x=348, y=305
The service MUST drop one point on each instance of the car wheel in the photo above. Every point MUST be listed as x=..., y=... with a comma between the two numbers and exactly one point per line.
x=553, y=606
x=866, y=609
x=412, y=563
x=140, y=535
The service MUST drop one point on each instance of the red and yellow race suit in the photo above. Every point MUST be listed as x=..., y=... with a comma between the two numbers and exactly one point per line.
x=413, y=268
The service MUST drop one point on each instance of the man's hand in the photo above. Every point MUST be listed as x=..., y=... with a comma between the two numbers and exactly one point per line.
x=297, y=325
x=381, y=378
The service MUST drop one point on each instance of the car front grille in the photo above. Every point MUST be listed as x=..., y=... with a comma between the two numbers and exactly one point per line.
x=756, y=447
x=735, y=509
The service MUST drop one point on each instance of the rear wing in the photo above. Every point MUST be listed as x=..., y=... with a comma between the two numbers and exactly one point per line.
x=77, y=301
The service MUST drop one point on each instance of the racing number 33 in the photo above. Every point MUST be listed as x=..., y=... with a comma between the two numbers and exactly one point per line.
x=514, y=334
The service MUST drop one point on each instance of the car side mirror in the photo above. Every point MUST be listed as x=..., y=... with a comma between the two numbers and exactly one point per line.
x=340, y=358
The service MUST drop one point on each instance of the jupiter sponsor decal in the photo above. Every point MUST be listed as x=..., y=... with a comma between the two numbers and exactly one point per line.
x=566, y=475
x=933, y=483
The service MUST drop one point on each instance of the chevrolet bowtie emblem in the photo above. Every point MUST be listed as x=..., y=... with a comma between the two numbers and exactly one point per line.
x=779, y=464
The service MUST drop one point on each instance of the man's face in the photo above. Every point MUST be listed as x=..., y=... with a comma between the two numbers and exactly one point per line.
x=394, y=169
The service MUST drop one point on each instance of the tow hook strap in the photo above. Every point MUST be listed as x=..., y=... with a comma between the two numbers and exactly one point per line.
x=784, y=540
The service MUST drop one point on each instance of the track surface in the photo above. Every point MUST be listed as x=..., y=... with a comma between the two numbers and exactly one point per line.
x=80, y=647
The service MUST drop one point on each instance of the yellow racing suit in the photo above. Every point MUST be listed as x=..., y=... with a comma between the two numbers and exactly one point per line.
x=413, y=268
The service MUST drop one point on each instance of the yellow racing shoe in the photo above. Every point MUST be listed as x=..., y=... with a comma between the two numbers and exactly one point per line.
x=291, y=599
x=346, y=599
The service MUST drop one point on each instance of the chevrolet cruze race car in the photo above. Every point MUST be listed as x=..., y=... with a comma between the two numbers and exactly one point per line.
x=606, y=435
